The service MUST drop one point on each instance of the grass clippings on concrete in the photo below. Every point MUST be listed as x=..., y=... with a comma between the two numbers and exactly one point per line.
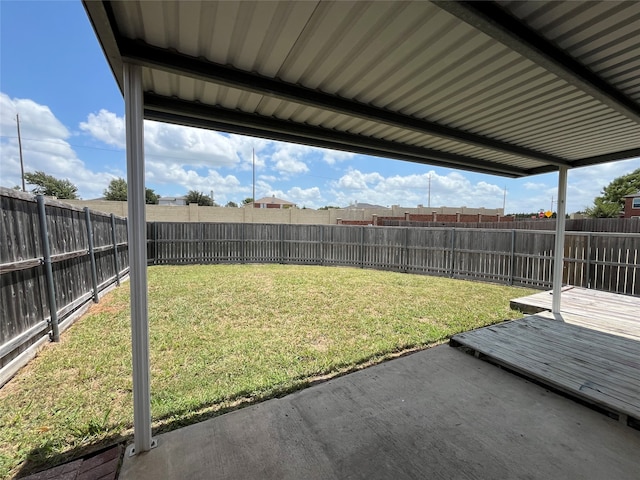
x=222, y=336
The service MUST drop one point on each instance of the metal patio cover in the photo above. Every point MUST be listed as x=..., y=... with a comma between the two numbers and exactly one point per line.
x=506, y=88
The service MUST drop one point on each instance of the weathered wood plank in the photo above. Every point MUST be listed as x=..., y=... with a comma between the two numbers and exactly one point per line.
x=603, y=311
x=598, y=367
x=23, y=296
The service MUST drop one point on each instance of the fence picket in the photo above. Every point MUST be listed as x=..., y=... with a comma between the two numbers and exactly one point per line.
x=46, y=271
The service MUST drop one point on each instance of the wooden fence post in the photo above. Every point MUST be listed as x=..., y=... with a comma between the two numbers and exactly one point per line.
x=512, y=256
x=154, y=240
x=321, y=243
x=453, y=250
x=114, y=239
x=282, y=243
x=405, y=252
x=362, y=247
x=589, y=260
x=92, y=254
x=243, y=253
x=46, y=253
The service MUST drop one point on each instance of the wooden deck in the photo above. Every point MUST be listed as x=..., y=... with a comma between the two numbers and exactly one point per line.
x=603, y=311
x=591, y=352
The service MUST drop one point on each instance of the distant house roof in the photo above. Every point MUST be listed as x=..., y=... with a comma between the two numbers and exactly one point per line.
x=273, y=200
x=364, y=206
x=172, y=198
x=633, y=195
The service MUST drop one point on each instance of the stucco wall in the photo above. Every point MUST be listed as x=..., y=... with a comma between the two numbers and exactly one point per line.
x=195, y=213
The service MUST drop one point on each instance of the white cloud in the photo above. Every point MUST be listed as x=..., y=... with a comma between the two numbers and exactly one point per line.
x=224, y=188
x=44, y=148
x=583, y=185
x=165, y=142
x=264, y=189
x=249, y=150
x=307, y=197
x=106, y=127
x=36, y=121
x=181, y=159
x=289, y=166
x=357, y=181
x=587, y=183
x=453, y=189
x=332, y=157
x=534, y=186
x=287, y=161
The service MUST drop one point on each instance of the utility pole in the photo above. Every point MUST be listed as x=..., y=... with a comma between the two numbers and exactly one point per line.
x=504, y=200
x=551, y=209
x=253, y=153
x=429, y=197
x=20, y=148
x=212, y=200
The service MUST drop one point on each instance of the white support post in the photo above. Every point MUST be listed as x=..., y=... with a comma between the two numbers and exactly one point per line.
x=558, y=262
x=137, y=229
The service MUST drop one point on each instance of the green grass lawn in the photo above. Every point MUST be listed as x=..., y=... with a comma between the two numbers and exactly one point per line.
x=222, y=336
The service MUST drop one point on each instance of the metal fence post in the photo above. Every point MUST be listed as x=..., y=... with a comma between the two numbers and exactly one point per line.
x=48, y=269
x=114, y=239
x=512, y=257
x=92, y=255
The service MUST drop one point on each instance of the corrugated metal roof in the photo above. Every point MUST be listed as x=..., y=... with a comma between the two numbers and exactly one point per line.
x=504, y=87
x=604, y=36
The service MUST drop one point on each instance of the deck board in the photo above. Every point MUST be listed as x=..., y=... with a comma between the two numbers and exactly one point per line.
x=571, y=360
x=603, y=311
x=595, y=366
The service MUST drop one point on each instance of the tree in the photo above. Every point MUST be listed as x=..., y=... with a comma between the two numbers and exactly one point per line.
x=247, y=201
x=198, y=197
x=117, y=191
x=51, y=186
x=611, y=202
x=603, y=209
x=231, y=204
x=150, y=197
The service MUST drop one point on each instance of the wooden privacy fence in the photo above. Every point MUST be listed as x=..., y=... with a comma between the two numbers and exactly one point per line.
x=54, y=259
x=603, y=261
x=617, y=225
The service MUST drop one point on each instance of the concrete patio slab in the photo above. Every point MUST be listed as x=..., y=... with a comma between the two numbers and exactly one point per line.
x=438, y=414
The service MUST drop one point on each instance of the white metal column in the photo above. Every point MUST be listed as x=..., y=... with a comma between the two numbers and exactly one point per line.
x=558, y=262
x=137, y=229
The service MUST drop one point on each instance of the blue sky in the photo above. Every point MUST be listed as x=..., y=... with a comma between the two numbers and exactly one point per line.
x=54, y=75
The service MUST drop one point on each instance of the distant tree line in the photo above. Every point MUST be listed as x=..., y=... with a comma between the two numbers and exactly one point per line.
x=117, y=192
